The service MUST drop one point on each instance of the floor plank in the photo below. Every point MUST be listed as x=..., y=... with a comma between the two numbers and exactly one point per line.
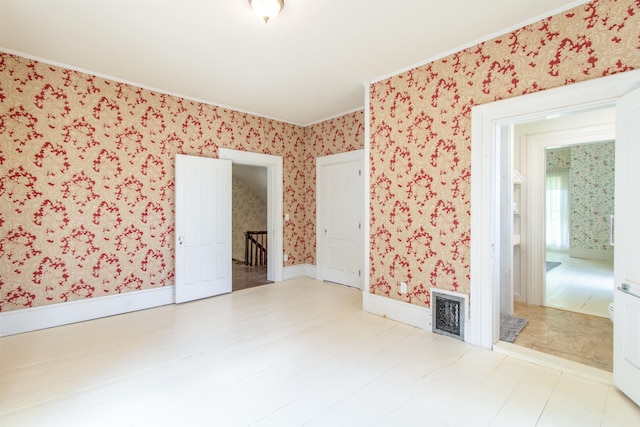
x=299, y=352
x=579, y=284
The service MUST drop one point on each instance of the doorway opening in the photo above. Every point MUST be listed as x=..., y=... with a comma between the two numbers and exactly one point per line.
x=580, y=196
x=250, y=243
x=486, y=185
x=264, y=172
x=560, y=274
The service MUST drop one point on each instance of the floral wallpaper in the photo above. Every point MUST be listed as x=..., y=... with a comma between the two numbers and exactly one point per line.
x=249, y=213
x=86, y=164
x=87, y=177
x=591, y=196
x=87, y=180
x=558, y=159
x=420, y=166
x=338, y=135
x=592, y=178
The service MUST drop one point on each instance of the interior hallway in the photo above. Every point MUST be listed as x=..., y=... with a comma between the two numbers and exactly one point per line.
x=246, y=276
x=299, y=352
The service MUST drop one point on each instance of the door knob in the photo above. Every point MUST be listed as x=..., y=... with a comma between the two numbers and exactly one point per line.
x=180, y=240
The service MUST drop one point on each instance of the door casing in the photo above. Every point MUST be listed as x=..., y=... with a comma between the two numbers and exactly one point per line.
x=536, y=145
x=485, y=182
x=275, y=266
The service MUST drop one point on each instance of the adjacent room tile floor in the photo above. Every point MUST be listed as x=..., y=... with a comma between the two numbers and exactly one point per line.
x=578, y=337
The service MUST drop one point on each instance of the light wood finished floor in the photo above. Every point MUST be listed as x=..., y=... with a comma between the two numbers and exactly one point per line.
x=580, y=285
x=574, y=336
x=299, y=352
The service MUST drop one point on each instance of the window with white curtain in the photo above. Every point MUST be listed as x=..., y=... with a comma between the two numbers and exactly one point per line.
x=557, y=210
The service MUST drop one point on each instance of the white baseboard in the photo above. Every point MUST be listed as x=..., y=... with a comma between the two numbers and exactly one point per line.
x=310, y=271
x=420, y=317
x=32, y=319
x=300, y=270
x=411, y=314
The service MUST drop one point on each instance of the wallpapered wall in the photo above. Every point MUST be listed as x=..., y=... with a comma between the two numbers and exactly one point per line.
x=249, y=213
x=87, y=180
x=558, y=159
x=421, y=132
x=345, y=133
x=591, y=195
x=592, y=177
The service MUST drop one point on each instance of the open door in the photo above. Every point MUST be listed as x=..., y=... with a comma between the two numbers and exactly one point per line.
x=626, y=327
x=203, y=227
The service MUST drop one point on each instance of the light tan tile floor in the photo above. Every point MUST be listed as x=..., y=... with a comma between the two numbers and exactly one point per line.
x=574, y=336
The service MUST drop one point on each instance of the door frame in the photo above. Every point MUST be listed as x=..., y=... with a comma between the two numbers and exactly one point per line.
x=321, y=162
x=535, y=174
x=275, y=264
x=486, y=121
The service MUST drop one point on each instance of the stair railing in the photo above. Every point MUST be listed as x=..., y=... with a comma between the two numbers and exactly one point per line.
x=255, y=248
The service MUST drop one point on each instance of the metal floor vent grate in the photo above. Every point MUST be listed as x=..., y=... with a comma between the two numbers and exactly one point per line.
x=448, y=315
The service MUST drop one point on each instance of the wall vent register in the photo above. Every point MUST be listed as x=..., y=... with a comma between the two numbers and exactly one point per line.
x=448, y=315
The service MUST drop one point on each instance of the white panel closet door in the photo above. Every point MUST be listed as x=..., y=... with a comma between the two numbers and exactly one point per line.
x=340, y=210
x=203, y=227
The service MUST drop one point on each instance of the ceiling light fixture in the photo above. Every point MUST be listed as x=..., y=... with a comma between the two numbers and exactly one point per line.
x=266, y=9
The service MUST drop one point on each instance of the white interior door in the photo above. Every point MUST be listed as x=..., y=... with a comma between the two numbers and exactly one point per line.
x=340, y=210
x=626, y=326
x=203, y=227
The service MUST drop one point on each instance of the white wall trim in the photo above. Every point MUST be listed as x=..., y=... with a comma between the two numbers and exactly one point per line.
x=410, y=314
x=485, y=248
x=310, y=271
x=400, y=311
x=48, y=316
x=366, y=170
x=299, y=270
x=335, y=116
x=274, y=203
x=535, y=148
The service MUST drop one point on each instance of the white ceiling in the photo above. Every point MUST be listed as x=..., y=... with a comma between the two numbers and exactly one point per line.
x=307, y=65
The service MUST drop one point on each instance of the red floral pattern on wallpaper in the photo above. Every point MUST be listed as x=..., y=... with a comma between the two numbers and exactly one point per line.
x=86, y=164
x=421, y=136
x=87, y=180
